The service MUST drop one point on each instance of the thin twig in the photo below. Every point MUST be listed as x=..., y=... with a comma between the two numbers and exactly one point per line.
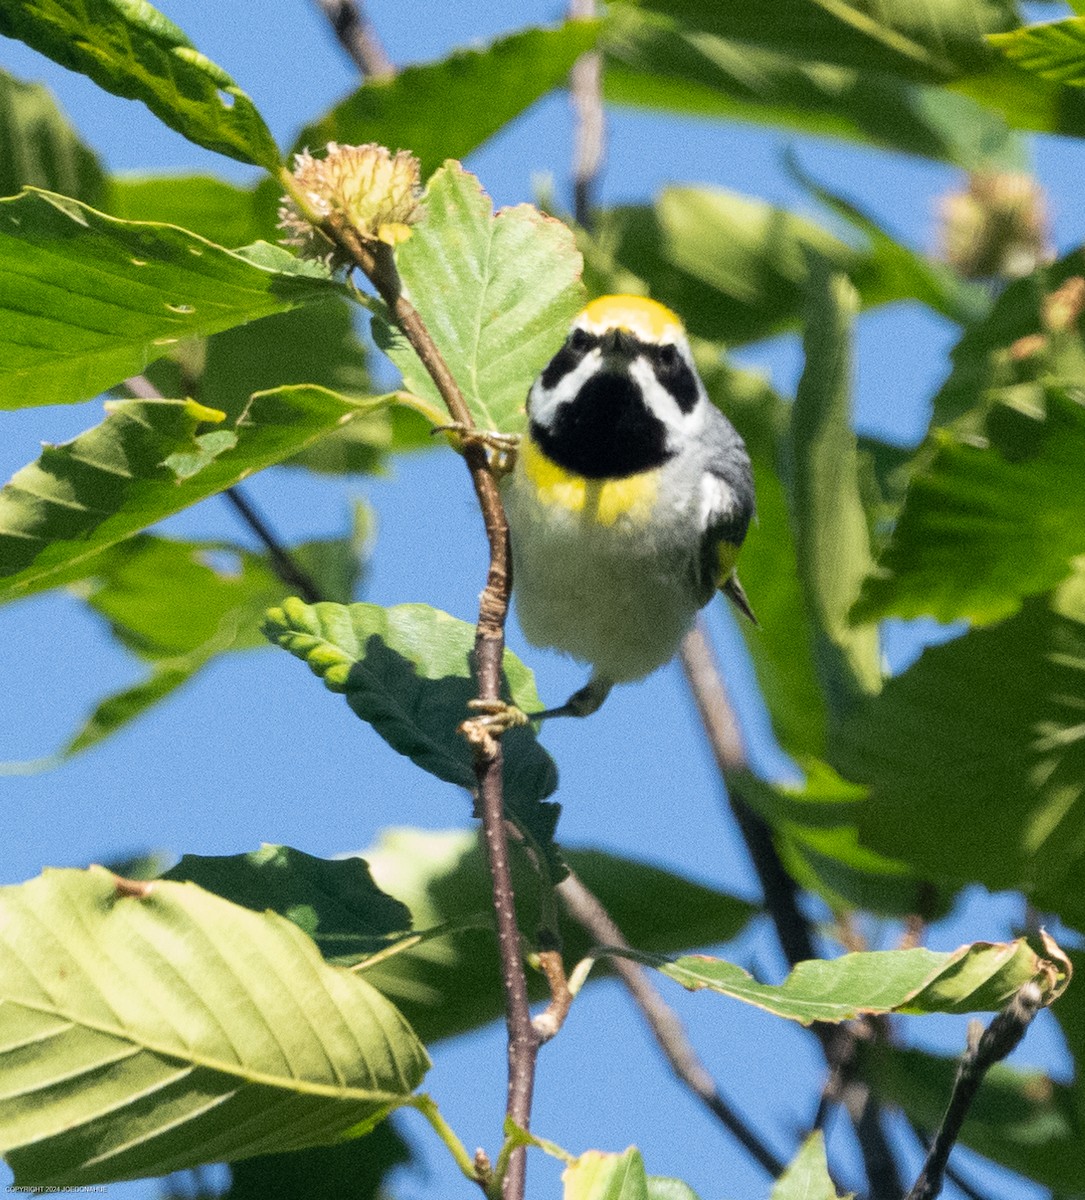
x=585, y=908
x=589, y=121
x=839, y=1043
x=985, y=1048
x=282, y=563
x=358, y=38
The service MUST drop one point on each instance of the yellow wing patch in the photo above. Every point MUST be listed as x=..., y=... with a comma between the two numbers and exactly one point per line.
x=649, y=320
x=601, y=500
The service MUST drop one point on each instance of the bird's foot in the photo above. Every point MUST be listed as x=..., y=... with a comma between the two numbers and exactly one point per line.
x=495, y=717
x=501, y=448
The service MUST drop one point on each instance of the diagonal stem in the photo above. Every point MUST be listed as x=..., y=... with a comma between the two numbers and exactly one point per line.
x=358, y=37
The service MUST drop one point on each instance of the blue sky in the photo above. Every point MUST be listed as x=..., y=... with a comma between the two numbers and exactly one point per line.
x=255, y=750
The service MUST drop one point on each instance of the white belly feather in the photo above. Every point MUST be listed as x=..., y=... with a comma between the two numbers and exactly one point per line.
x=610, y=582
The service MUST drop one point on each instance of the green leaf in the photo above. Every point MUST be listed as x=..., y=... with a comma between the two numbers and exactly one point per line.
x=982, y=360
x=132, y=50
x=735, y=267
x=451, y=985
x=807, y=1177
x=600, y=1176
x=335, y=901
x=817, y=829
x=782, y=648
x=497, y=294
x=151, y=1027
x=39, y=148
x=356, y=1170
x=924, y=42
x=408, y=671
x=86, y=495
x=988, y=521
x=653, y=62
x=831, y=536
x=167, y=603
x=1019, y=1119
x=662, y=1188
x=447, y=109
x=1054, y=50
x=87, y=300
x=978, y=978
x=892, y=269
x=219, y=211
x=983, y=734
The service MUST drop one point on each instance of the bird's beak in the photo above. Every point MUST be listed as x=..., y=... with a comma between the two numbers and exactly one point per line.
x=618, y=344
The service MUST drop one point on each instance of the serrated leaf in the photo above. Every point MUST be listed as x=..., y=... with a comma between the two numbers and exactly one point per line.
x=807, y=1176
x=449, y=985
x=86, y=495
x=87, y=300
x=981, y=977
x=831, y=537
x=600, y=1176
x=655, y=63
x=147, y=1028
x=448, y=108
x=987, y=522
x=335, y=901
x=1053, y=50
x=497, y=293
x=39, y=148
x=1020, y=1119
x=132, y=50
x=408, y=671
x=983, y=734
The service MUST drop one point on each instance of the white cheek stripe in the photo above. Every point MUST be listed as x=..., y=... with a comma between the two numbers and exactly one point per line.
x=543, y=403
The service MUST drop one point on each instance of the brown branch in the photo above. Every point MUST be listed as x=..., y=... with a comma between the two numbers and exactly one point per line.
x=589, y=121
x=358, y=37
x=985, y=1048
x=585, y=908
x=376, y=261
x=839, y=1043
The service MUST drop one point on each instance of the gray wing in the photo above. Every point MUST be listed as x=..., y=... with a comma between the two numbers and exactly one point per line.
x=727, y=508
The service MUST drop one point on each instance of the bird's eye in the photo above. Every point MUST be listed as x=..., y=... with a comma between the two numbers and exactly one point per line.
x=667, y=356
x=579, y=340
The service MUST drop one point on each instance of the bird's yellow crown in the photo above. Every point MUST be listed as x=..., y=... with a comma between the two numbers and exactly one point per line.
x=647, y=319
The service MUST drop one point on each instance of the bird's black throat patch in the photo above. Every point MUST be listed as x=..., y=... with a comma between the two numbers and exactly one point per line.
x=606, y=432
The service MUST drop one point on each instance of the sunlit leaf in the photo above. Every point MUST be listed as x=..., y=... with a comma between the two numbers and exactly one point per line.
x=977, y=978
x=87, y=300
x=600, y=1176
x=655, y=63
x=88, y=494
x=38, y=148
x=1053, y=50
x=497, y=294
x=132, y=50
x=988, y=522
x=150, y=1027
x=219, y=211
x=448, y=108
x=807, y=1177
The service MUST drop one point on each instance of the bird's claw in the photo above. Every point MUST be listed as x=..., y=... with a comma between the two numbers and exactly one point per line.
x=495, y=717
x=501, y=448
